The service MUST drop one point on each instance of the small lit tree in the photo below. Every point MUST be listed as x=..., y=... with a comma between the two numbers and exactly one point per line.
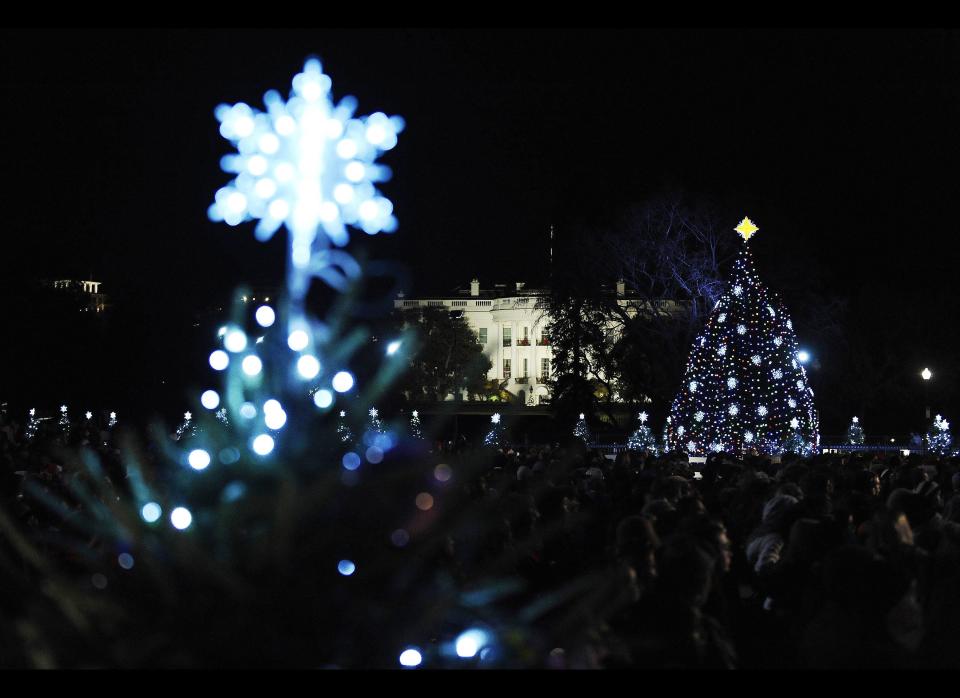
x=642, y=439
x=64, y=422
x=343, y=431
x=375, y=426
x=581, y=430
x=938, y=437
x=415, y=430
x=855, y=433
x=33, y=422
x=495, y=437
x=186, y=428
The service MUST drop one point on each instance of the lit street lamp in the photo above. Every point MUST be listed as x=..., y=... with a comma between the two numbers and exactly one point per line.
x=926, y=375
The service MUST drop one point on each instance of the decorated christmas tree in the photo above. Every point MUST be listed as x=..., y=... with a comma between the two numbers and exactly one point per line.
x=415, y=430
x=855, y=433
x=744, y=386
x=938, y=437
x=113, y=420
x=343, y=430
x=64, y=422
x=581, y=430
x=186, y=428
x=33, y=422
x=495, y=437
x=642, y=439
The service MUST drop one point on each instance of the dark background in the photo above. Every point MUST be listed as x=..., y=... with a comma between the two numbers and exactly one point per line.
x=841, y=145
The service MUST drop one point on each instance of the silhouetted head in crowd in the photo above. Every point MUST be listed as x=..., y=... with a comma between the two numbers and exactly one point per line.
x=685, y=570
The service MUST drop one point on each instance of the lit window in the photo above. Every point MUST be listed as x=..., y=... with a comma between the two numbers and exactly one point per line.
x=506, y=368
x=544, y=369
x=507, y=336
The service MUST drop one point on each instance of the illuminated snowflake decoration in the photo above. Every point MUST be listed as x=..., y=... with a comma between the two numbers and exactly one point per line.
x=794, y=423
x=777, y=341
x=792, y=403
x=721, y=317
x=748, y=436
x=495, y=418
x=733, y=410
x=373, y=412
x=307, y=164
x=691, y=446
x=693, y=386
x=731, y=382
x=755, y=359
x=722, y=350
x=777, y=374
x=642, y=417
x=789, y=325
x=716, y=447
x=698, y=415
x=800, y=384
x=737, y=290
x=680, y=430
x=762, y=410
x=741, y=329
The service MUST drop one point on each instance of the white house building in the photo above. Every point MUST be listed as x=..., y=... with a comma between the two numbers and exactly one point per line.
x=513, y=331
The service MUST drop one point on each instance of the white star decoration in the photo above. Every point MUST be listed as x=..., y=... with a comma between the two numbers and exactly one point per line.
x=63, y=408
x=33, y=411
x=89, y=415
x=643, y=417
x=794, y=423
x=187, y=416
x=342, y=413
x=415, y=414
x=495, y=418
x=856, y=420
x=373, y=412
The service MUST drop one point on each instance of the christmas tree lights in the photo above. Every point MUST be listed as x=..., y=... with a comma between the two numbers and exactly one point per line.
x=415, y=430
x=495, y=437
x=939, y=439
x=855, y=433
x=642, y=439
x=581, y=430
x=744, y=386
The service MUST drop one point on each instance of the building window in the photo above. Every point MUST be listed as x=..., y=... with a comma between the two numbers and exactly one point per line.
x=482, y=335
x=507, y=336
x=544, y=370
x=506, y=368
x=525, y=374
x=544, y=338
x=524, y=341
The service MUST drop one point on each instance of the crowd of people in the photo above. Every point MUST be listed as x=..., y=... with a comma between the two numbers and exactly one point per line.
x=637, y=560
x=834, y=561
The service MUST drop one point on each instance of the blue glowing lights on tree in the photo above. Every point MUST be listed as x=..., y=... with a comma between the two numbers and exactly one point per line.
x=581, y=430
x=744, y=386
x=855, y=433
x=495, y=437
x=939, y=439
x=642, y=439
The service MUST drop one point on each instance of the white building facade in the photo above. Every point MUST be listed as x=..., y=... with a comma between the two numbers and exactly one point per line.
x=513, y=331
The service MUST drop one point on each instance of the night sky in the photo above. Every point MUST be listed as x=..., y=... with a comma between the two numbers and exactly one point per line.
x=842, y=146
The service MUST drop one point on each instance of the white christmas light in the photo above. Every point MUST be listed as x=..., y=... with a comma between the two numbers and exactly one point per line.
x=265, y=316
x=181, y=518
x=251, y=365
x=210, y=399
x=323, y=398
x=342, y=382
x=235, y=341
x=198, y=459
x=219, y=360
x=298, y=340
x=308, y=366
x=263, y=444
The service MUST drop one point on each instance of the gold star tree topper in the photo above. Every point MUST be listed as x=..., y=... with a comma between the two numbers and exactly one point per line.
x=746, y=229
